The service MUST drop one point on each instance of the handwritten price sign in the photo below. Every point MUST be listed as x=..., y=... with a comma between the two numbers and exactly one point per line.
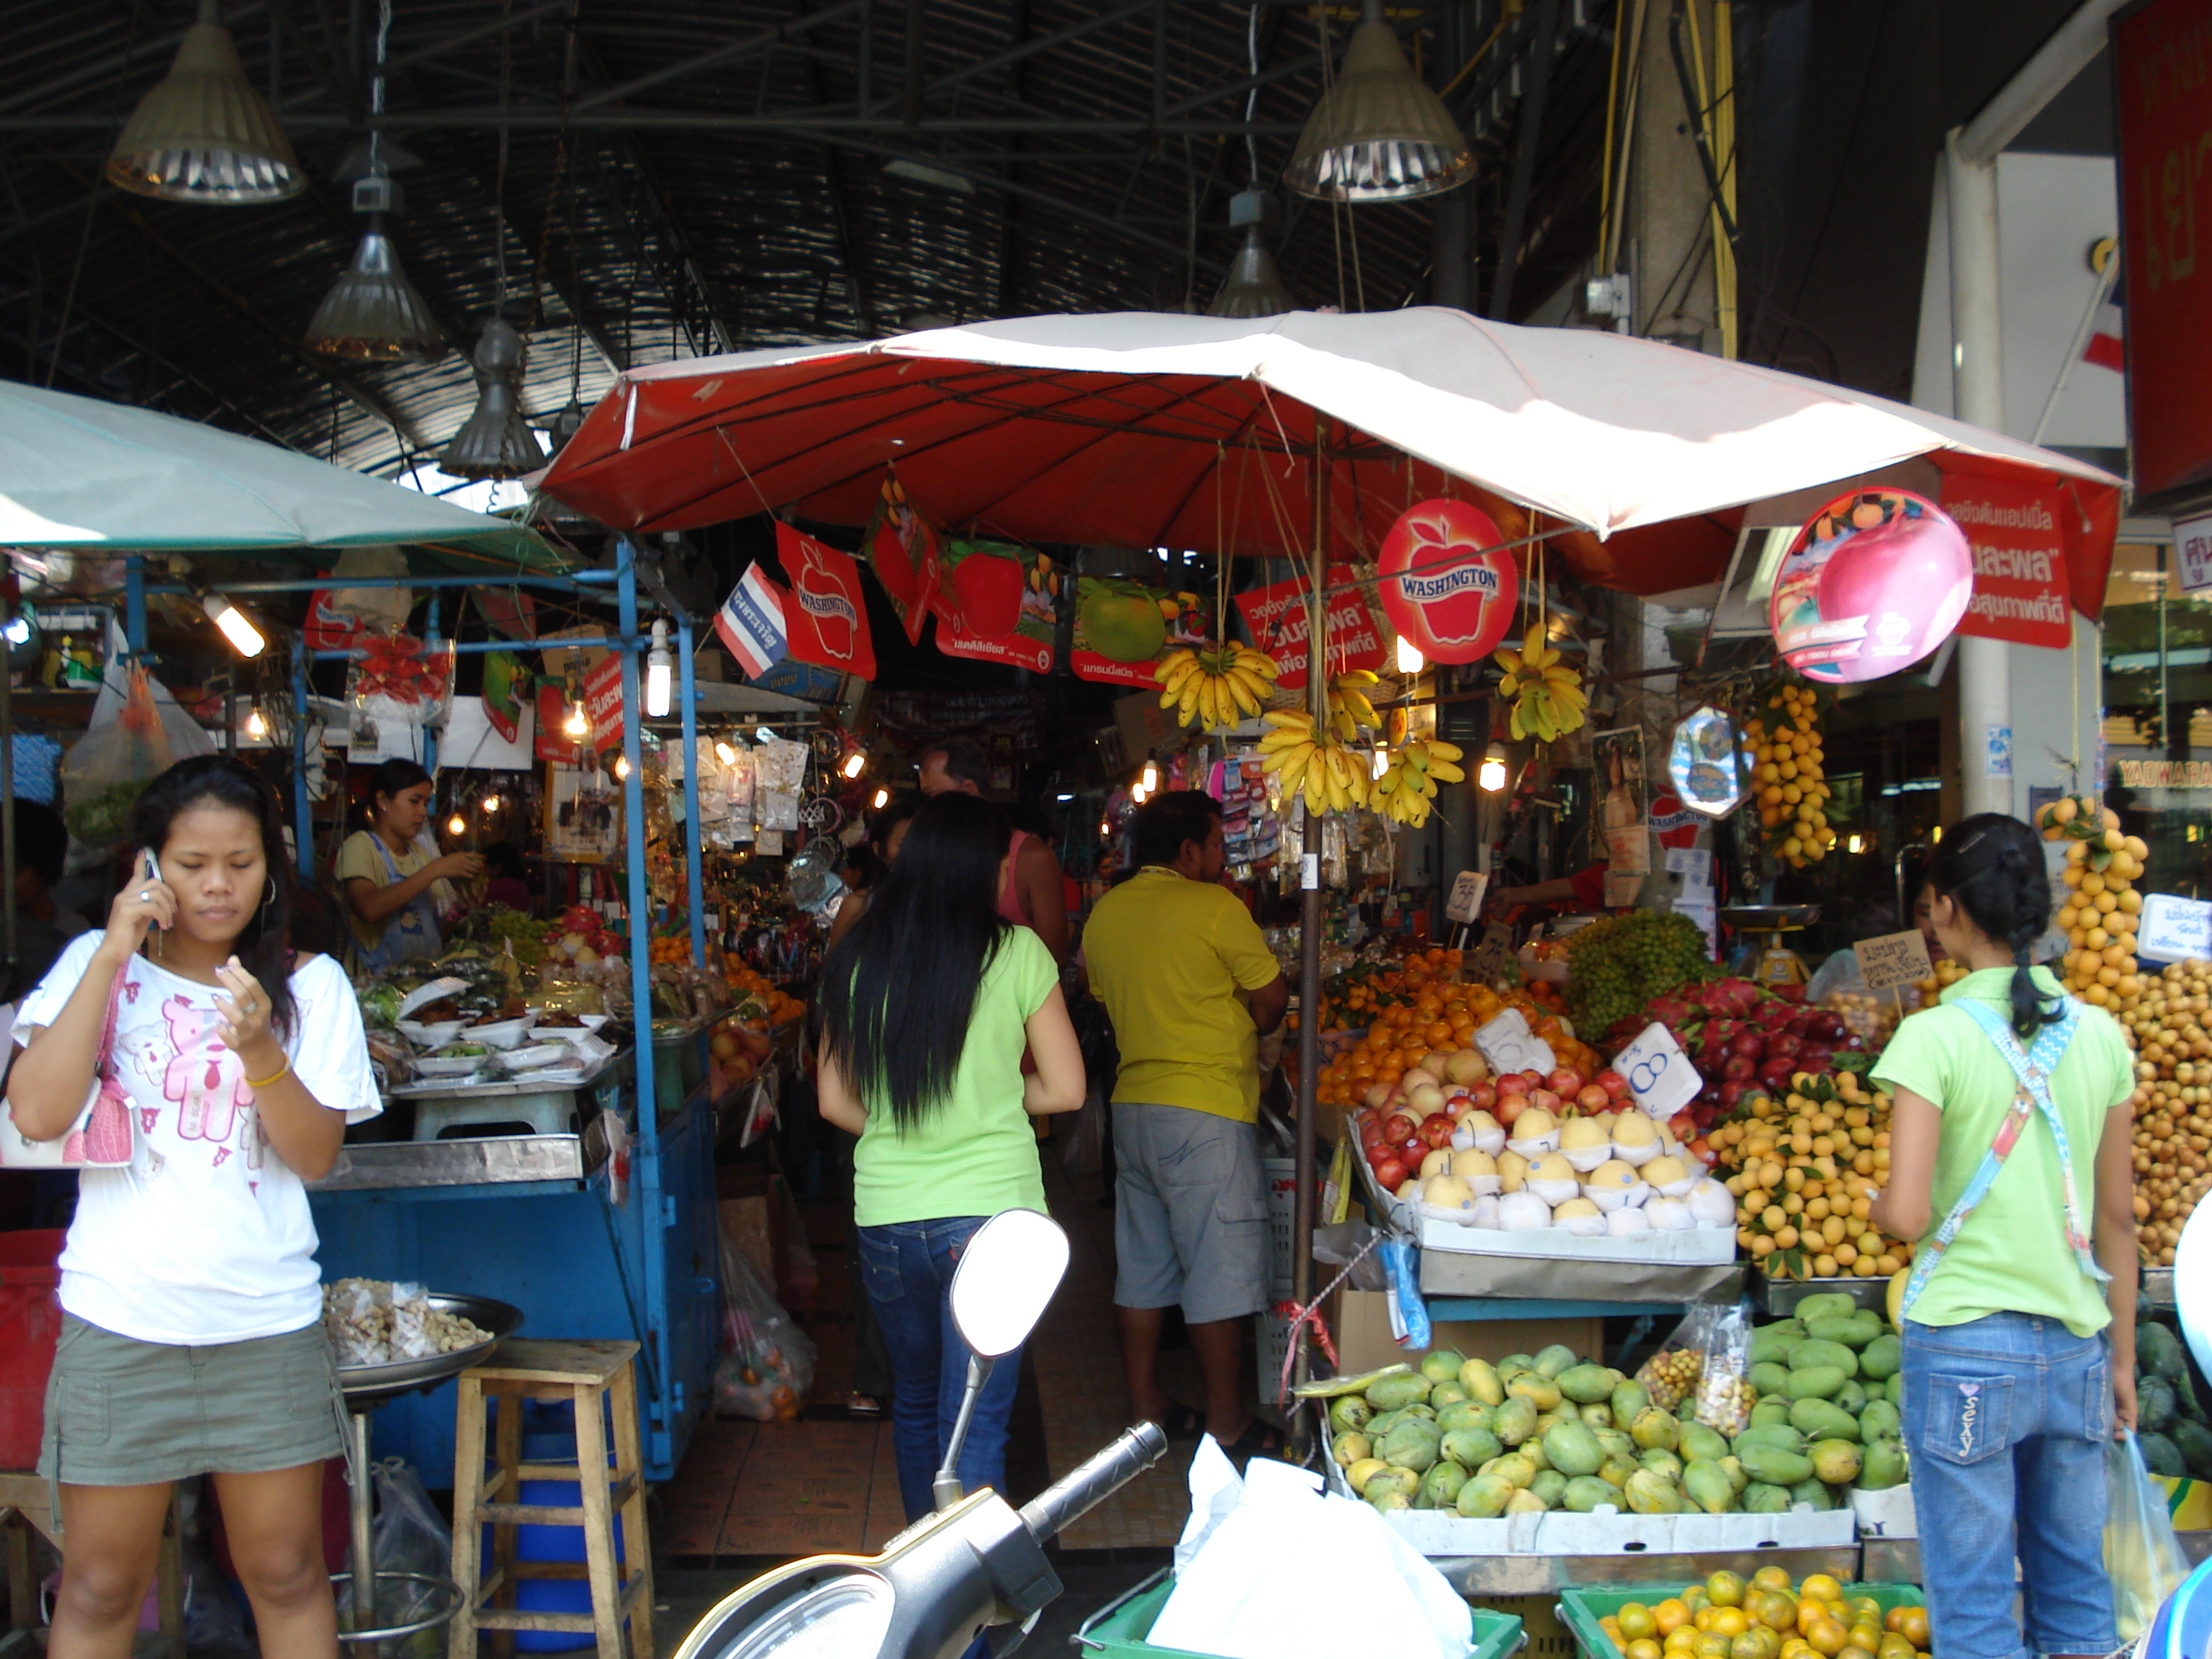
x=1659, y=1073
x=1466, y=901
x=1509, y=1046
x=1892, y=960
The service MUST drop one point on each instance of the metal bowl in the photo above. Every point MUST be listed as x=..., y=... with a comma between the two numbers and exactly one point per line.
x=394, y=1377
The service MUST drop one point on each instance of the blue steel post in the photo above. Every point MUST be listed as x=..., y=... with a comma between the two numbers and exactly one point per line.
x=430, y=643
x=134, y=603
x=303, y=828
x=694, y=876
x=647, y=1165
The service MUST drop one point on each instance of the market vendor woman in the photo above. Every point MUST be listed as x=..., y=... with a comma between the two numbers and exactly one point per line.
x=191, y=1339
x=389, y=876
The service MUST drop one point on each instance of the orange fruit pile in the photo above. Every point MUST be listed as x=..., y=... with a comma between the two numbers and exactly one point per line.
x=1768, y=1617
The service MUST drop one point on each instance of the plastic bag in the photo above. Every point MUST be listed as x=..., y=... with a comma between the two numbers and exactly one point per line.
x=1725, y=1396
x=411, y=1315
x=1675, y=1374
x=770, y=1362
x=357, y=1316
x=2143, y=1558
x=407, y=1536
x=106, y=769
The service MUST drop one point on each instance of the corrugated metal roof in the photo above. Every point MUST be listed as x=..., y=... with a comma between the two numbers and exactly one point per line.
x=688, y=176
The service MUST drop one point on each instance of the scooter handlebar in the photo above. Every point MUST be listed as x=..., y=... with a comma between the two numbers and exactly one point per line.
x=1068, y=1500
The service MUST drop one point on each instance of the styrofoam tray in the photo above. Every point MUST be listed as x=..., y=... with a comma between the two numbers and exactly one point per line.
x=1700, y=1246
x=1886, y=1514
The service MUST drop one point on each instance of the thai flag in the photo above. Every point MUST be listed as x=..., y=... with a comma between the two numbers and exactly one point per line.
x=2106, y=346
x=750, y=622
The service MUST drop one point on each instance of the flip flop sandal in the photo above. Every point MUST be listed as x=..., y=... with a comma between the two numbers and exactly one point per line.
x=1261, y=1438
x=1182, y=1422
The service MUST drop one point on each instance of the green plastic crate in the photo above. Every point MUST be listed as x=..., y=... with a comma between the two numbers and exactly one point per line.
x=1118, y=1630
x=1583, y=1608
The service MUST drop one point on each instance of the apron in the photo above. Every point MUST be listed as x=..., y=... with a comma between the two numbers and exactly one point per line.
x=410, y=931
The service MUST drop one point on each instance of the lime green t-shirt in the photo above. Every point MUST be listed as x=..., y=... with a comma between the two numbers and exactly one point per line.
x=976, y=1153
x=2011, y=1255
x=1167, y=956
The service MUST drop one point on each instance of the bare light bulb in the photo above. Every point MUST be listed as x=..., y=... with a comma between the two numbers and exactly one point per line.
x=724, y=753
x=490, y=804
x=456, y=825
x=577, y=725
x=855, y=763
x=659, y=674
x=257, y=724
x=883, y=800
x=1381, y=762
x=237, y=624
x=1151, y=778
x=621, y=766
x=1410, y=659
x=1492, y=775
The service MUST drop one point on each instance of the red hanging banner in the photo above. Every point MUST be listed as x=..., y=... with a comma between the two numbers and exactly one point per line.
x=1008, y=604
x=826, y=623
x=553, y=742
x=2021, y=589
x=1277, y=616
x=903, y=550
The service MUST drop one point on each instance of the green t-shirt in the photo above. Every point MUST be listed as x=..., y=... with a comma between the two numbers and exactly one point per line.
x=976, y=1153
x=2011, y=1254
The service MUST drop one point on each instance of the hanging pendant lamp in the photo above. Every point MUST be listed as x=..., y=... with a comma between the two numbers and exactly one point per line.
x=1254, y=289
x=1379, y=133
x=373, y=314
x=495, y=442
x=205, y=134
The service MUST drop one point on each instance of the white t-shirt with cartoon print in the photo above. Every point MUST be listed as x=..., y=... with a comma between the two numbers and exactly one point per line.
x=205, y=1237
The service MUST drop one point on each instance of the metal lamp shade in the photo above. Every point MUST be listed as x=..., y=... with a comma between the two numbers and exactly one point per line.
x=205, y=134
x=1378, y=134
x=1252, y=289
x=373, y=314
x=495, y=442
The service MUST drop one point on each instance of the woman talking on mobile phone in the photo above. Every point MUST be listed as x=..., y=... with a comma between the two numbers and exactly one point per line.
x=192, y=1336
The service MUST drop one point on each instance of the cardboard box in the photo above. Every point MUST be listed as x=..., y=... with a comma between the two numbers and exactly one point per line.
x=1360, y=1322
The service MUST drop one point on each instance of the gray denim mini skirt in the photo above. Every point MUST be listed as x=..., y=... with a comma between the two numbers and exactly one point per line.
x=123, y=1413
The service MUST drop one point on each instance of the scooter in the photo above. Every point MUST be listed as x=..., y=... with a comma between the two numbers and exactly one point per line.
x=976, y=1561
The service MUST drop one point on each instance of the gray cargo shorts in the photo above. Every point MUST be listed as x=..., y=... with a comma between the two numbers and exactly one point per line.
x=1190, y=1212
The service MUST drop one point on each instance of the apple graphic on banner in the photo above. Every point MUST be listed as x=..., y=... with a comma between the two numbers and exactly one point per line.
x=1447, y=584
x=1898, y=589
x=986, y=591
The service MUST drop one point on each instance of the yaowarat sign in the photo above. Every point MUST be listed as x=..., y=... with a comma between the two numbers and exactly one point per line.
x=2021, y=590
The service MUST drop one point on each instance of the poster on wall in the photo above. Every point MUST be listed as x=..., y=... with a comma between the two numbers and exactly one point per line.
x=1875, y=581
x=583, y=813
x=1277, y=616
x=1122, y=627
x=1618, y=755
x=505, y=692
x=1448, y=583
x=826, y=615
x=904, y=551
x=1005, y=604
x=2021, y=590
x=553, y=742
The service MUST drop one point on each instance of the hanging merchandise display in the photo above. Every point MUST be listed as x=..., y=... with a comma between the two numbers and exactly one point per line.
x=1278, y=616
x=1326, y=760
x=1409, y=776
x=826, y=618
x=903, y=550
x=1546, y=695
x=1875, y=581
x=1447, y=584
x=1121, y=627
x=506, y=692
x=1219, y=685
x=1008, y=605
x=1708, y=763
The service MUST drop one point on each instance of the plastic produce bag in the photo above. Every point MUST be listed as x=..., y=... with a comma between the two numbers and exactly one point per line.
x=407, y=1536
x=106, y=769
x=770, y=1362
x=1724, y=1396
x=1674, y=1375
x=2143, y=1558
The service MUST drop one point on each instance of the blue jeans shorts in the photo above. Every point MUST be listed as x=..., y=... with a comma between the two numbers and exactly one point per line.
x=2007, y=1417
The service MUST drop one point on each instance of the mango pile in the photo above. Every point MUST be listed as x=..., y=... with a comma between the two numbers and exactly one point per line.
x=1801, y=1169
x=2170, y=1421
x=1830, y=1381
x=1767, y=1617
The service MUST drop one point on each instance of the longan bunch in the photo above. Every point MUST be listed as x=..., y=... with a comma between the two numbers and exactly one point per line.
x=2170, y=1022
x=2102, y=916
x=1790, y=787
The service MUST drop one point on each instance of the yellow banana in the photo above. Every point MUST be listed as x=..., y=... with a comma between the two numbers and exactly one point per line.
x=1287, y=718
x=1438, y=749
x=1446, y=772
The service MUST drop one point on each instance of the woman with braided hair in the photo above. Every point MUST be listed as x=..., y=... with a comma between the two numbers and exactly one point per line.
x=2010, y=1163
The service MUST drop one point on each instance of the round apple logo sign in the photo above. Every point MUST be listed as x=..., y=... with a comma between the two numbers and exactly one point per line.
x=1876, y=580
x=1447, y=584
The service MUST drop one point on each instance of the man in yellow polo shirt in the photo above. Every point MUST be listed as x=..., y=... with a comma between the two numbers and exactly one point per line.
x=1188, y=981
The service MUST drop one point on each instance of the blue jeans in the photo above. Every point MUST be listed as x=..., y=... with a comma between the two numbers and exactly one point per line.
x=908, y=1267
x=2007, y=1418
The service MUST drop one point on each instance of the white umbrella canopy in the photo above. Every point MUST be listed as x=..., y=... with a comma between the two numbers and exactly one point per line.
x=77, y=472
x=1192, y=432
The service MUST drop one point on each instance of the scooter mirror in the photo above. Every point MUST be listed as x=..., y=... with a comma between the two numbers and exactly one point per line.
x=1007, y=1275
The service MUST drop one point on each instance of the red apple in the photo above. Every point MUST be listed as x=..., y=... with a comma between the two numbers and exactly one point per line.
x=1484, y=1095
x=1565, y=1083
x=1371, y=1134
x=1592, y=1099
x=1378, y=1097
x=1536, y=1078
x=1614, y=1085
x=1683, y=1127
x=1436, y=1129
x=1544, y=1098
x=1511, y=1107
x=1513, y=1083
x=1400, y=1125
x=1390, y=1174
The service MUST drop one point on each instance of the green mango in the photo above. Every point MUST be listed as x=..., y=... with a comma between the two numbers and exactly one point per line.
x=1836, y=1461
x=1586, y=1384
x=1442, y=1366
x=1770, y=1343
x=1651, y=1494
x=1770, y=1377
x=1852, y=1396
x=1466, y=1414
x=1614, y=1443
x=1484, y=1498
x=1516, y=1470
x=1525, y=1502
x=1816, y=1419
x=1535, y=1388
x=2161, y=1456
x=1880, y=1420
x=1403, y=1481
x=1854, y=1333
x=1759, y=1498
x=1512, y=1364
x=1817, y=1384
x=1659, y=1460
x=1389, y=1500
x=1771, y=1413
x=1533, y=1449
x=1446, y=1393
x=1515, y=1420
x=1556, y=1361
x=1546, y=1421
x=1482, y=1380
x=1738, y=1476
x=1572, y=1449
x=1695, y=1442
x=1470, y=1448
x=1615, y=1470
x=1388, y=1394
x=1826, y=1304
x=1349, y=1449
x=1654, y=1427
x=1412, y=1444
x=1708, y=1487
x=1782, y=1437
x=1813, y=1355
x=1774, y=1466
x=1586, y=1492
x=1882, y=1359
x=2159, y=1350
x=2194, y=1442
x=1597, y=1416
x=1893, y=1390
x=1549, y=1484
x=1440, y=1486
x=1884, y=1467
x=1628, y=1402
x=1812, y=1493
x=1348, y=1413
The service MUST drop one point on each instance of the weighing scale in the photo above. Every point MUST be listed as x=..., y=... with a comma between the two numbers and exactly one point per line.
x=1779, y=967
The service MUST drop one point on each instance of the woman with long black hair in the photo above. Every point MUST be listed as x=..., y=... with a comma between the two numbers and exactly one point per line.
x=391, y=876
x=926, y=1006
x=192, y=1336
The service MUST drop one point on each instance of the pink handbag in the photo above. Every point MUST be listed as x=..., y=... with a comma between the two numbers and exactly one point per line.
x=102, y=1137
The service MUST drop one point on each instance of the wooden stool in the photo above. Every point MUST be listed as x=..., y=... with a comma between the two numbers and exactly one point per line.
x=592, y=1376
x=24, y=1510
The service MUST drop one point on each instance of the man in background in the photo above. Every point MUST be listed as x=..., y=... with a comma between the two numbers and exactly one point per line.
x=1034, y=896
x=1191, y=987
x=42, y=925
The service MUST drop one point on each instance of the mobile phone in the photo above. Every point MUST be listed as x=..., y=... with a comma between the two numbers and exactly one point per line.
x=152, y=864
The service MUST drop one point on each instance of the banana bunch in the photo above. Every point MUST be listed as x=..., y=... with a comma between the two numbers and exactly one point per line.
x=1220, y=686
x=1409, y=782
x=1313, y=759
x=1547, y=697
x=1348, y=707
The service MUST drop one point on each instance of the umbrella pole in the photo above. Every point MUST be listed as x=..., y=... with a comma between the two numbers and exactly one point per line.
x=1310, y=930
